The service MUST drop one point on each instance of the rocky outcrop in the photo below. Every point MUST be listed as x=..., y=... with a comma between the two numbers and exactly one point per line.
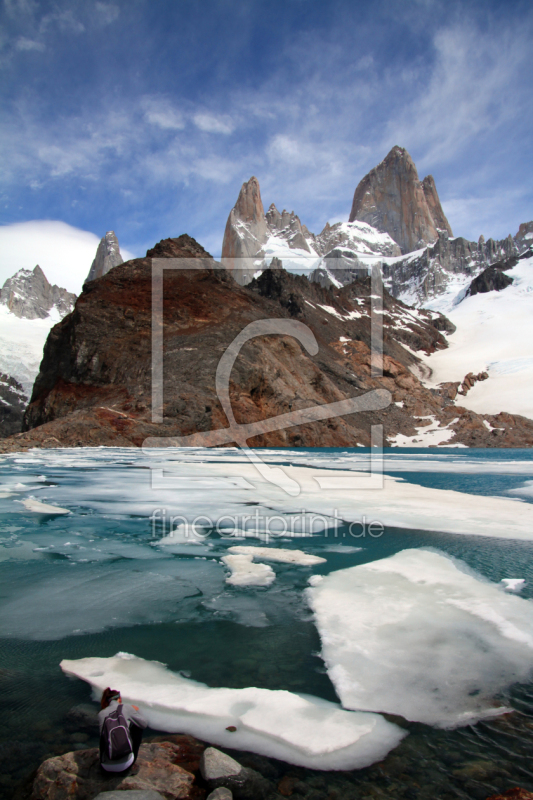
x=165, y=765
x=107, y=256
x=95, y=384
x=392, y=199
x=13, y=402
x=288, y=227
x=435, y=208
x=423, y=275
x=29, y=295
x=524, y=237
x=246, y=232
x=492, y=279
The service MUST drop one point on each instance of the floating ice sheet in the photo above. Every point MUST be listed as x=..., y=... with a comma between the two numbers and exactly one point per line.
x=302, y=730
x=42, y=508
x=244, y=572
x=415, y=635
x=283, y=555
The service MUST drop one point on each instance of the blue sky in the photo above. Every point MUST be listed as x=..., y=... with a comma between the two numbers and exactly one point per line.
x=146, y=117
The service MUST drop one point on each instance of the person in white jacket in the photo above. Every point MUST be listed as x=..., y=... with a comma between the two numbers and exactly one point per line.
x=109, y=703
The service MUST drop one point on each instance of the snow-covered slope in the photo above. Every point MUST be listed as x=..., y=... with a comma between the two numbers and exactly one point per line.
x=21, y=345
x=494, y=334
x=29, y=307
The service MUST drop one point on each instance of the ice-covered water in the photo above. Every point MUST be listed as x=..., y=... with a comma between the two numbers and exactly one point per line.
x=109, y=576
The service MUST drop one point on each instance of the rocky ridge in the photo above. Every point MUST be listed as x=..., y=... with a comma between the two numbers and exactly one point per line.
x=393, y=200
x=107, y=256
x=94, y=387
x=445, y=267
x=29, y=295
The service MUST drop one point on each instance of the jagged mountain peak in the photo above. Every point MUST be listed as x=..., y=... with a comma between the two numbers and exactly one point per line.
x=392, y=199
x=107, y=256
x=29, y=295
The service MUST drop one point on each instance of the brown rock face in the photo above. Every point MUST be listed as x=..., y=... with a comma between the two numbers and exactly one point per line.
x=78, y=775
x=392, y=199
x=246, y=230
x=435, y=208
x=95, y=384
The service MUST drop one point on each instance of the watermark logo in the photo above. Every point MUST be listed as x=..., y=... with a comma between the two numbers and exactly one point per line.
x=241, y=433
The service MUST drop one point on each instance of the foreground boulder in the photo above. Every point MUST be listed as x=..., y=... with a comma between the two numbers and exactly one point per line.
x=221, y=772
x=159, y=768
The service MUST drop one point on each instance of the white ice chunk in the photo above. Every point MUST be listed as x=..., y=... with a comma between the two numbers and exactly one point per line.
x=416, y=635
x=244, y=572
x=42, y=508
x=182, y=534
x=281, y=554
x=513, y=584
x=307, y=731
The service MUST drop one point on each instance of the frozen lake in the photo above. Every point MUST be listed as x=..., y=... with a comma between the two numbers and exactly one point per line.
x=399, y=608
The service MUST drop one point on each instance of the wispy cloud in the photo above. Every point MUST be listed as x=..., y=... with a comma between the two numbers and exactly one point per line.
x=29, y=44
x=159, y=147
x=213, y=124
x=470, y=91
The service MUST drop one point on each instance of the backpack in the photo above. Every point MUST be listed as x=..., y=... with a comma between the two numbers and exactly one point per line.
x=116, y=740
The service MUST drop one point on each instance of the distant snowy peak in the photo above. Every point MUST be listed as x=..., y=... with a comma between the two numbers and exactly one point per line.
x=360, y=237
x=29, y=295
x=288, y=227
x=107, y=256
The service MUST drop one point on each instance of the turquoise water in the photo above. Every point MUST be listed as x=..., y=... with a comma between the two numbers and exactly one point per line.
x=93, y=583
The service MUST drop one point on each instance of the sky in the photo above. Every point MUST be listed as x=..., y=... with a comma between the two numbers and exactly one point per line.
x=146, y=117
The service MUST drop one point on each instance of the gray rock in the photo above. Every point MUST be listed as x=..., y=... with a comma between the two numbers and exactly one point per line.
x=13, y=402
x=214, y=765
x=29, y=295
x=220, y=770
x=107, y=256
x=219, y=794
x=131, y=794
x=83, y=716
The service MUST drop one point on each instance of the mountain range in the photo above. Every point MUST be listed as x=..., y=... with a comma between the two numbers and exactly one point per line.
x=395, y=220
x=94, y=383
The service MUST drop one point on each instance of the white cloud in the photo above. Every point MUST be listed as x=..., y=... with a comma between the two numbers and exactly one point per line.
x=468, y=92
x=64, y=253
x=220, y=170
x=106, y=13
x=159, y=111
x=16, y=7
x=213, y=124
x=28, y=44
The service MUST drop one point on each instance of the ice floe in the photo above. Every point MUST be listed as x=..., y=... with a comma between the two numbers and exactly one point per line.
x=245, y=572
x=415, y=635
x=283, y=555
x=513, y=584
x=42, y=508
x=302, y=730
